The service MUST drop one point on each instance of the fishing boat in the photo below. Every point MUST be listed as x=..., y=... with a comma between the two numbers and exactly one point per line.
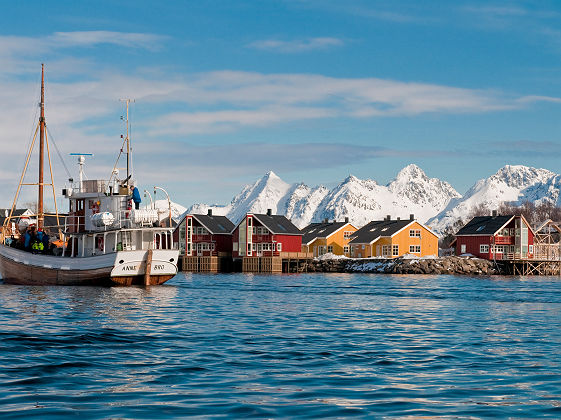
x=104, y=239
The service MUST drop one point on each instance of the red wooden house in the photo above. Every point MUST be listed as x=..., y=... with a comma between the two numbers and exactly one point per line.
x=204, y=235
x=496, y=237
x=265, y=235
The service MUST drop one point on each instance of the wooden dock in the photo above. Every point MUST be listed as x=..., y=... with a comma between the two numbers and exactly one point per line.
x=531, y=267
x=285, y=262
x=213, y=264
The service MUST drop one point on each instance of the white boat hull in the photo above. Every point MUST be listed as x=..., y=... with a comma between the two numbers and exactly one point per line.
x=124, y=268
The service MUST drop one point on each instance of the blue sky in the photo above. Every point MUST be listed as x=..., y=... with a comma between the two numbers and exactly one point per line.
x=313, y=90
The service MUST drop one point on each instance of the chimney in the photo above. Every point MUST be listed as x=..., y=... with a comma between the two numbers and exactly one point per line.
x=388, y=217
x=209, y=212
x=326, y=220
x=398, y=218
x=269, y=212
x=494, y=213
x=347, y=219
x=411, y=216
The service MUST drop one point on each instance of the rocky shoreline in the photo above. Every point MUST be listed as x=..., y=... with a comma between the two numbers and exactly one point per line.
x=444, y=265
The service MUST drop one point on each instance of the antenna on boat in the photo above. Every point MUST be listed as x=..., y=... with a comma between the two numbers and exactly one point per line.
x=81, y=162
x=127, y=138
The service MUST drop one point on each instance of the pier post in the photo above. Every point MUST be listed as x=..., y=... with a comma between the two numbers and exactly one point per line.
x=148, y=268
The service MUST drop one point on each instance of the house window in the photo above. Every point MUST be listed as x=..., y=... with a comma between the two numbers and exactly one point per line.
x=346, y=249
x=347, y=234
x=463, y=248
x=235, y=247
x=330, y=249
x=414, y=233
x=531, y=249
x=414, y=249
x=483, y=249
x=499, y=249
x=254, y=246
x=385, y=250
x=395, y=250
x=279, y=246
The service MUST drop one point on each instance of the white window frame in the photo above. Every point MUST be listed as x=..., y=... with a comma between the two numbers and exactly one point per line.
x=395, y=250
x=483, y=248
x=386, y=250
x=463, y=248
x=279, y=246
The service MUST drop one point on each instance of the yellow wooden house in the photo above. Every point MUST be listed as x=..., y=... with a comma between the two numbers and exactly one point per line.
x=321, y=238
x=394, y=238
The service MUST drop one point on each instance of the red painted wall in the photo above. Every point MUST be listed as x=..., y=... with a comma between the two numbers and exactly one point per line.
x=290, y=243
x=472, y=245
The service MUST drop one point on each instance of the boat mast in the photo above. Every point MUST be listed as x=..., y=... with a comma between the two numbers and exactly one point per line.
x=127, y=139
x=40, y=211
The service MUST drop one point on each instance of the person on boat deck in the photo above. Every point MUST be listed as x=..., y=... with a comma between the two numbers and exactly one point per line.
x=37, y=245
x=136, y=197
x=29, y=238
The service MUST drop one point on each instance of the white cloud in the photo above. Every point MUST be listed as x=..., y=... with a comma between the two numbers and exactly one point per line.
x=296, y=46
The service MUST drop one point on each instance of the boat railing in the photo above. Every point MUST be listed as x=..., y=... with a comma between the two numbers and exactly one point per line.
x=77, y=223
x=93, y=186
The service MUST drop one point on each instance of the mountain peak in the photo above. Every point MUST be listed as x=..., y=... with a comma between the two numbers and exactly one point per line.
x=350, y=178
x=411, y=171
x=520, y=176
x=271, y=175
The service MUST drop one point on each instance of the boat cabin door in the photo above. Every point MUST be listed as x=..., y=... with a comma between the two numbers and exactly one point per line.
x=77, y=216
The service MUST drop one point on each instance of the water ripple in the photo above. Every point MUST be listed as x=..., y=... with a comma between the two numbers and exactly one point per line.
x=284, y=346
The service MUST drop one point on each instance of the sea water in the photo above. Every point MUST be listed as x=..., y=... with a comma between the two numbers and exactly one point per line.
x=284, y=346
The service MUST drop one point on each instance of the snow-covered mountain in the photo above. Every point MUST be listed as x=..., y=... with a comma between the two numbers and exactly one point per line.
x=412, y=191
x=512, y=183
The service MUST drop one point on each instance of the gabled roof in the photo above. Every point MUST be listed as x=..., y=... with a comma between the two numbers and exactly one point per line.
x=484, y=225
x=5, y=213
x=320, y=230
x=378, y=228
x=215, y=224
x=278, y=225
